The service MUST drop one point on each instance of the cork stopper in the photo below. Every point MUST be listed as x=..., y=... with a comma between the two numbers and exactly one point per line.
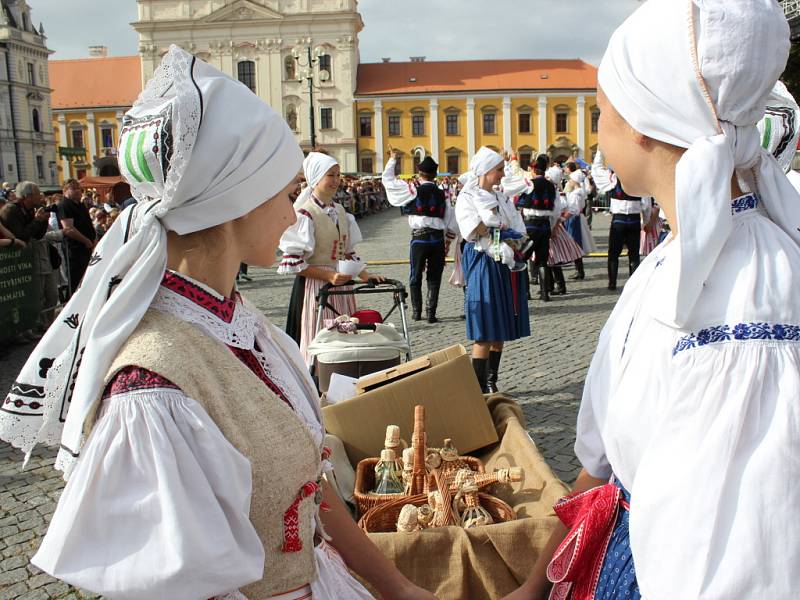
x=408, y=459
x=392, y=436
x=515, y=474
x=387, y=455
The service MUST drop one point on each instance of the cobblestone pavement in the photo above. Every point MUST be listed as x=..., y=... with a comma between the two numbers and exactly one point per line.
x=544, y=372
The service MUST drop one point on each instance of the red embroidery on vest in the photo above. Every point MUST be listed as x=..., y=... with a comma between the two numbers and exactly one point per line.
x=335, y=250
x=291, y=519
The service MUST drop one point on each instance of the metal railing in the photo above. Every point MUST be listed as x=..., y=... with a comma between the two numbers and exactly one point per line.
x=791, y=8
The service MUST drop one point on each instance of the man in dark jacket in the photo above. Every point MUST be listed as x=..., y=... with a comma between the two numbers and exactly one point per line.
x=24, y=216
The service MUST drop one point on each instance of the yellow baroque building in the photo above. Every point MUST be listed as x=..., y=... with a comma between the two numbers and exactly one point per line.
x=450, y=109
x=90, y=97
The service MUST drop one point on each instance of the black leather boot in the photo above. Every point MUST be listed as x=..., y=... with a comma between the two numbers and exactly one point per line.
x=561, y=285
x=545, y=281
x=613, y=267
x=492, y=371
x=534, y=274
x=415, y=292
x=479, y=365
x=432, y=302
x=579, y=272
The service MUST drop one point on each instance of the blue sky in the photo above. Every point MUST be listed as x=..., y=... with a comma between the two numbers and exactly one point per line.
x=437, y=29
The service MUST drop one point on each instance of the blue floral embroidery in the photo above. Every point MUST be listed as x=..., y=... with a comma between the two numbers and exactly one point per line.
x=743, y=204
x=742, y=331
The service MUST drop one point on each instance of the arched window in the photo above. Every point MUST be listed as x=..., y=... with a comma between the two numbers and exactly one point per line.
x=291, y=116
x=290, y=68
x=36, y=125
x=246, y=73
x=325, y=64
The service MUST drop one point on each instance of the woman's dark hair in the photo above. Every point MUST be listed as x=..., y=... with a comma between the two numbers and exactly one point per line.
x=540, y=166
x=572, y=167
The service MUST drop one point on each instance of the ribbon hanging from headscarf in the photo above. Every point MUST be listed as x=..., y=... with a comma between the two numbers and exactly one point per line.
x=199, y=149
x=485, y=160
x=700, y=81
x=315, y=165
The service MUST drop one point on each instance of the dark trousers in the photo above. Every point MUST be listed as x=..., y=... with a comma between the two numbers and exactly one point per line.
x=539, y=232
x=538, y=229
x=625, y=231
x=427, y=256
x=78, y=263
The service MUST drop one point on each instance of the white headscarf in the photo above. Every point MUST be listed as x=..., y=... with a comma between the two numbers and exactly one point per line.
x=780, y=127
x=485, y=160
x=315, y=165
x=700, y=80
x=199, y=149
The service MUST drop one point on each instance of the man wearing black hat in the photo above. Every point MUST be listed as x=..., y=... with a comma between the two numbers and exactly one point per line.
x=433, y=228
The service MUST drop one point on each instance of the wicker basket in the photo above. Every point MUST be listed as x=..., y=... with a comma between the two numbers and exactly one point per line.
x=365, y=483
x=383, y=518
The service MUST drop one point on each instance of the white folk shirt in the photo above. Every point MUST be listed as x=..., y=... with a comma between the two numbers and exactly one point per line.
x=556, y=175
x=473, y=200
x=298, y=241
x=399, y=193
x=160, y=443
x=702, y=426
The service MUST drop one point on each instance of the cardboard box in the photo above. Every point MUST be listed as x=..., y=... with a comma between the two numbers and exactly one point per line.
x=443, y=382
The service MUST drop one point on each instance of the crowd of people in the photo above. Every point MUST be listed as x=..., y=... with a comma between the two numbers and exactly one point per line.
x=62, y=228
x=361, y=196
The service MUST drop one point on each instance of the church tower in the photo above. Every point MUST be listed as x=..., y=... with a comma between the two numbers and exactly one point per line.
x=265, y=45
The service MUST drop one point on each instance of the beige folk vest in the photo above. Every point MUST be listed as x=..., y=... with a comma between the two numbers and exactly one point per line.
x=330, y=241
x=282, y=453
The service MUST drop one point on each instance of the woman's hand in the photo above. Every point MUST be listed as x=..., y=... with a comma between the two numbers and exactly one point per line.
x=481, y=231
x=338, y=278
x=366, y=277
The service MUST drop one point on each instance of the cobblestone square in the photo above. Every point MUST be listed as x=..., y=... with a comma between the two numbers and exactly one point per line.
x=545, y=373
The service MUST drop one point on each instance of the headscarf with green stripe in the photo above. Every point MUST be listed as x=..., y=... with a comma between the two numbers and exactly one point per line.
x=780, y=127
x=198, y=149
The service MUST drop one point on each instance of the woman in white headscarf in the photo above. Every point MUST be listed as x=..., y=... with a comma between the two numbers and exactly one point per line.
x=495, y=304
x=690, y=407
x=318, y=248
x=192, y=444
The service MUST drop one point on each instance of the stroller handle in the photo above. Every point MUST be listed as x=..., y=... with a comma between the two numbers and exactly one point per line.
x=373, y=286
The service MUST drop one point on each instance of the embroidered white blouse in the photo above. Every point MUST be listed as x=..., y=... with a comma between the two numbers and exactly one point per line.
x=298, y=242
x=703, y=426
x=158, y=504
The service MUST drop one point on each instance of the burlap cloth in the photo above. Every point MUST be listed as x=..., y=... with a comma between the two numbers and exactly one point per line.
x=486, y=563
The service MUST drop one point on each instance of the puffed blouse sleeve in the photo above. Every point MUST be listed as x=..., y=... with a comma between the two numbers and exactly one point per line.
x=297, y=244
x=355, y=237
x=157, y=506
x=718, y=485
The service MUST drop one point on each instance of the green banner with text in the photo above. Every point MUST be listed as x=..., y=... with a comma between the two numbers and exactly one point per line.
x=19, y=291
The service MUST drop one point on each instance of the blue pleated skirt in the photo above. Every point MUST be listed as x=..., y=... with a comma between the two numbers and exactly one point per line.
x=496, y=302
x=618, y=576
x=573, y=227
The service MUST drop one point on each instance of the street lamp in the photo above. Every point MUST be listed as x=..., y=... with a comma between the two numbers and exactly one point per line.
x=306, y=72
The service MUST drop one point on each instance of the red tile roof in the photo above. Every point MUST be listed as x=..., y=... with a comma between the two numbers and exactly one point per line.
x=95, y=82
x=474, y=76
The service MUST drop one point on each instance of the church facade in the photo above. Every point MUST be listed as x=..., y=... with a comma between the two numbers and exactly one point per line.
x=266, y=45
